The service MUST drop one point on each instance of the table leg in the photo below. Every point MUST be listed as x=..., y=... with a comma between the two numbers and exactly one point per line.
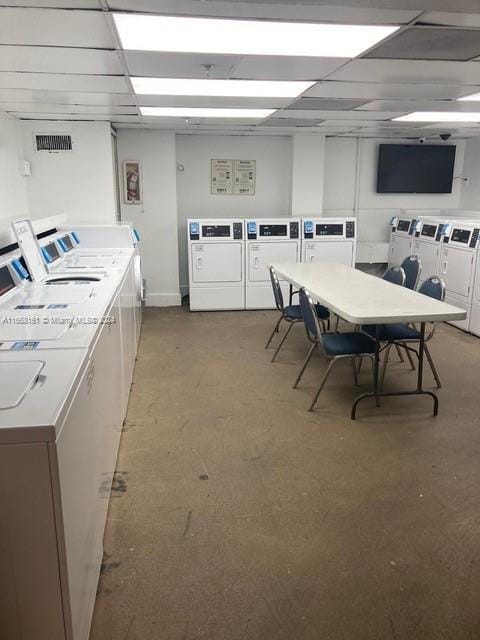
x=418, y=391
x=290, y=296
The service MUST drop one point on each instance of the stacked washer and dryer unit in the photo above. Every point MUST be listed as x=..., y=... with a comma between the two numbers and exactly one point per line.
x=229, y=260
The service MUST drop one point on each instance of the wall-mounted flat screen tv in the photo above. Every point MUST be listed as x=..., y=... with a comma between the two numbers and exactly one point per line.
x=415, y=168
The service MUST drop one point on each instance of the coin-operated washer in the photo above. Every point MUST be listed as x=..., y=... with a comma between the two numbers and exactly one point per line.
x=458, y=262
x=427, y=244
x=216, y=264
x=268, y=241
x=474, y=325
x=401, y=239
x=329, y=240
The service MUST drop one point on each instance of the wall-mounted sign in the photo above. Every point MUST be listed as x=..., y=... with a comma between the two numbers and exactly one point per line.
x=232, y=177
x=244, y=173
x=221, y=177
x=132, y=193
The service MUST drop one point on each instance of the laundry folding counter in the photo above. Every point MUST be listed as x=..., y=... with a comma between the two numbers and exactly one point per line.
x=363, y=299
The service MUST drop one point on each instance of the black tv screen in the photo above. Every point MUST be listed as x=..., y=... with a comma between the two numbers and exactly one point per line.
x=415, y=168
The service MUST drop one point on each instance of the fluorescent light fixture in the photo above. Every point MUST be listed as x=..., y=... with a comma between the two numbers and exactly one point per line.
x=200, y=112
x=246, y=37
x=439, y=116
x=474, y=97
x=217, y=88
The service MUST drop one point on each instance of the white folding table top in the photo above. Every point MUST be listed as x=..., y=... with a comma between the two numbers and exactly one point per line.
x=361, y=298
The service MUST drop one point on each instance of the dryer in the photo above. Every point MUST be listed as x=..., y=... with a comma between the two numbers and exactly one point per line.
x=268, y=240
x=458, y=261
x=216, y=264
x=427, y=244
x=401, y=238
x=329, y=240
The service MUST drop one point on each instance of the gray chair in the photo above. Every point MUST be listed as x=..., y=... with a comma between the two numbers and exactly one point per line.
x=290, y=313
x=405, y=335
x=334, y=346
x=412, y=266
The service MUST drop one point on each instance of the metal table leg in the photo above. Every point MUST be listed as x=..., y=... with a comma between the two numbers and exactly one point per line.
x=418, y=391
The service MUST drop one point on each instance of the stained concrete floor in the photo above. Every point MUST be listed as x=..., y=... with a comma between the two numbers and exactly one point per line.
x=238, y=515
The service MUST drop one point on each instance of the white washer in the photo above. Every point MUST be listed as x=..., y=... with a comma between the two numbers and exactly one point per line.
x=401, y=239
x=216, y=264
x=427, y=244
x=329, y=240
x=268, y=241
x=458, y=260
x=474, y=326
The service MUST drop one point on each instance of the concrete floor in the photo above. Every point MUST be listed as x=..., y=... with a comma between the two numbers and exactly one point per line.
x=236, y=514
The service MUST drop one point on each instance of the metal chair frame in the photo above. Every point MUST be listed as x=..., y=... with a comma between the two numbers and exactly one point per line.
x=278, y=295
x=405, y=344
x=413, y=258
x=317, y=341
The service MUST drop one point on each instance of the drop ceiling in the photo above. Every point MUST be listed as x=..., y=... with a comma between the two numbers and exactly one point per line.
x=62, y=60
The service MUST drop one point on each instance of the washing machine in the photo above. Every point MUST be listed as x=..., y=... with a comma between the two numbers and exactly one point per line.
x=458, y=262
x=427, y=244
x=268, y=241
x=402, y=229
x=474, y=324
x=329, y=240
x=216, y=264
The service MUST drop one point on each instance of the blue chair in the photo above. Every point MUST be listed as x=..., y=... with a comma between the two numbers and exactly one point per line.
x=291, y=313
x=404, y=334
x=334, y=346
x=412, y=265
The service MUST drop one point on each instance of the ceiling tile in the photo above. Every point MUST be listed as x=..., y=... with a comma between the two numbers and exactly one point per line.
x=26, y=115
x=64, y=97
x=388, y=91
x=285, y=68
x=63, y=82
x=278, y=9
x=55, y=27
x=337, y=115
x=290, y=122
x=430, y=43
x=325, y=104
x=178, y=65
x=416, y=105
x=59, y=60
x=53, y=4
x=65, y=109
x=451, y=19
x=207, y=101
x=409, y=71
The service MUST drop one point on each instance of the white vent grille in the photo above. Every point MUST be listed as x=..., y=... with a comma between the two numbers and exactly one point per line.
x=53, y=142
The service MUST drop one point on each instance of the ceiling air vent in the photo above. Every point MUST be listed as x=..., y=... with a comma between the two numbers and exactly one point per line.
x=53, y=142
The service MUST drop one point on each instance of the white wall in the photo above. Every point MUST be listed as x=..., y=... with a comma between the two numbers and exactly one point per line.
x=273, y=182
x=80, y=183
x=470, y=198
x=156, y=217
x=308, y=157
x=13, y=200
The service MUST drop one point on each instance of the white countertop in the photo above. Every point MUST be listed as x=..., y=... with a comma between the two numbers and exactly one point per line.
x=361, y=298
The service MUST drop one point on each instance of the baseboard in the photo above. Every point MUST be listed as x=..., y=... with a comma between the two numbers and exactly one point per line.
x=163, y=300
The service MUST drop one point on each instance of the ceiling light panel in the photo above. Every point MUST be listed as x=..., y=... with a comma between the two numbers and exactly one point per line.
x=439, y=116
x=473, y=97
x=192, y=112
x=219, y=88
x=246, y=37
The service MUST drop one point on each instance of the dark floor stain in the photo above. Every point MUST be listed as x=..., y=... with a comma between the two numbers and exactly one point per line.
x=119, y=483
x=203, y=477
x=107, y=564
x=187, y=524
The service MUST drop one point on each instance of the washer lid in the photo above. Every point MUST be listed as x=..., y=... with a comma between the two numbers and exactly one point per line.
x=11, y=331
x=17, y=379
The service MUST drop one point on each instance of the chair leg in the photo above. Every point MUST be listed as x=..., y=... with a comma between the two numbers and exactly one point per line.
x=360, y=362
x=410, y=359
x=275, y=330
x=304, y=366
x=282, y=341
x=336, y=324
x=354, y=367
x=377, y=399
x=327, y=373
x=385, y=363
x=400, y=354
x=432, y=366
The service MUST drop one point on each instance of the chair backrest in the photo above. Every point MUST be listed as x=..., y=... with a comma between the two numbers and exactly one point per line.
x=412, y=265
x=433, y=287
x=277, y=290
x=309, y=315
x=395, y=275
